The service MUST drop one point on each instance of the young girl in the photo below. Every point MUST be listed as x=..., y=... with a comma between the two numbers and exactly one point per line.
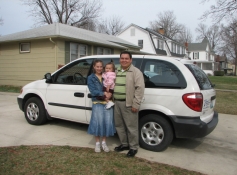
x=102, y=120
x=108, y=81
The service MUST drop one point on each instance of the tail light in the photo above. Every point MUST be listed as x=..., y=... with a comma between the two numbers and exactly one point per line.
x=194, y=101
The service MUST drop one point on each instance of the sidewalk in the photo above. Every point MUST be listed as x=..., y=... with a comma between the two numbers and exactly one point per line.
x=214, y=154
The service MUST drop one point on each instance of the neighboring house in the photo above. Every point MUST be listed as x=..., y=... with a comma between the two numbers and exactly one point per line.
x=152, y=42
x=223, y=64
x=28, y=55
x=203, y=55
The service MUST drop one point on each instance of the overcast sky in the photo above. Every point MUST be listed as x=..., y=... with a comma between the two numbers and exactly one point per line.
x=139, y=12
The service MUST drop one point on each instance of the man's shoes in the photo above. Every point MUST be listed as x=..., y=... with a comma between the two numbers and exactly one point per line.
x=121, y=148
x=131, y=153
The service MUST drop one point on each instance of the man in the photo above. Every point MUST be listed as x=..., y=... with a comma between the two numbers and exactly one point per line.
x=128, y=94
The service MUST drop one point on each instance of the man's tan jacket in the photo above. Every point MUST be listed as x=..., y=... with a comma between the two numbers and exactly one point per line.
x=135, y=87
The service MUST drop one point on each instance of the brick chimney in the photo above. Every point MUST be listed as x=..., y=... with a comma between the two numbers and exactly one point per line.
x=186, y=45
x=161, y=31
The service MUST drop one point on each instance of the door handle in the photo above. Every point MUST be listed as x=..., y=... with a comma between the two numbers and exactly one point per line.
x=77, y=94
x=89, y=96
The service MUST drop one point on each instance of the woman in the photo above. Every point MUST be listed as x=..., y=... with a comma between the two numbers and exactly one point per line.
x=102, y=120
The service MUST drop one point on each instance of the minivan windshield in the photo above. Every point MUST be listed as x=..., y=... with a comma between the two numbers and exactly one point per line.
x=200, y=76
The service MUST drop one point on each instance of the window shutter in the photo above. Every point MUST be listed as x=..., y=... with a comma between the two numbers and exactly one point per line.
x=67, y=52
x=89, y=50
x=95, y=50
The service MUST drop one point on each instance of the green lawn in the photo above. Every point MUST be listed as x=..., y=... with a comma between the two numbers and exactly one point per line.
x=7, y=88
x=224, y=82
x=226, y=102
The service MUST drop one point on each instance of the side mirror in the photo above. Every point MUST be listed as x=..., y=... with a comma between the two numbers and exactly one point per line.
x=48, y=78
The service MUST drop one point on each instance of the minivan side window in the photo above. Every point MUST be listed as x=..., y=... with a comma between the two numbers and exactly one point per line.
x=135, y=61
x=75, y=73
x=162, y=74
x=200, y=76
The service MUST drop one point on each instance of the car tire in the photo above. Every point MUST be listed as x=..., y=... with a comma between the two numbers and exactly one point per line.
x=34, y=110
x=155, y=132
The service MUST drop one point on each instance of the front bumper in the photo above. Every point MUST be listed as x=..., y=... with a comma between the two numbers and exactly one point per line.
x=20, y=103
x=193, y=127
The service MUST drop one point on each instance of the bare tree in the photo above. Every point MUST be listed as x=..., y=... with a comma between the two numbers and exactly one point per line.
x=211, y=33
x=111, y=26
x=229, y=41
x=167, y=21
x=90, y=24
x=185, y=36
x=224, y=9
x=72, y=12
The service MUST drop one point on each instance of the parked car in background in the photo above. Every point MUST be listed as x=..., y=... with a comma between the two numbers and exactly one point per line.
x=179, y=99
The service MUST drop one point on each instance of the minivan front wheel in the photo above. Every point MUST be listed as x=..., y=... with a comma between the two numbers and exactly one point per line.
x=155, y=133
x=35, y=111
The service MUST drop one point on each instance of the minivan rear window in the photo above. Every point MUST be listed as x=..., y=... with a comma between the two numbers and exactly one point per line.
x=200, y=76
x=162, y=74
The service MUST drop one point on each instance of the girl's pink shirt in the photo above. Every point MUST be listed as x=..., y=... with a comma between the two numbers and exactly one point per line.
x=109, y=78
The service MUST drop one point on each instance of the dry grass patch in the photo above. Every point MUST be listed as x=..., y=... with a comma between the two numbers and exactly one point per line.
x=73, y=160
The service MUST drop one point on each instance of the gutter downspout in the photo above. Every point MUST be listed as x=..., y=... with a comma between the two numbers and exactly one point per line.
x=55, y=53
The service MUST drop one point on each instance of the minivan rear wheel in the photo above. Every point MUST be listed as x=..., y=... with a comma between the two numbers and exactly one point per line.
x=35, y=111
x=155, y=132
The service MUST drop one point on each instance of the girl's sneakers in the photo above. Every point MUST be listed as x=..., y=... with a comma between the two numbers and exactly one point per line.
x=105, y=147
x=97, y=148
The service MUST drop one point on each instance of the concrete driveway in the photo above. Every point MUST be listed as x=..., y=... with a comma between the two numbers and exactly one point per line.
x=215, y=154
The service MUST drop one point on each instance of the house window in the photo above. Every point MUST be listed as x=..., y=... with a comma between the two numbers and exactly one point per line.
x=77, y=50
x=173, y=47
x=140, y=43
x=178, y=49
x=196, y=56
x=160, y=45
x=132, y=31
x=103, y=51
x=24, y=47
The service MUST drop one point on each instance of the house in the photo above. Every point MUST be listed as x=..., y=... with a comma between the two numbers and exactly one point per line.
x=203, y=55
x=223, y=64
x=152, y=42
x=26, y=56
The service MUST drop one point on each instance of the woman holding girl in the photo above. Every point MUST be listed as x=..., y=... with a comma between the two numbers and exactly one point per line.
x=102, y=120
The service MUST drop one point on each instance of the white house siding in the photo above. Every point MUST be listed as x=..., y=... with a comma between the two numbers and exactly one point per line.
x=202, y=56
x=139, y=35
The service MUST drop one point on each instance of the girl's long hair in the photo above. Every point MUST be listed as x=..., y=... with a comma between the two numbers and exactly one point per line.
x=95, y=62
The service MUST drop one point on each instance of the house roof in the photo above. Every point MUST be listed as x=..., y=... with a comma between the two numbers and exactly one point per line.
x=199, y=46
x=70, y=32
x=128, y=27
